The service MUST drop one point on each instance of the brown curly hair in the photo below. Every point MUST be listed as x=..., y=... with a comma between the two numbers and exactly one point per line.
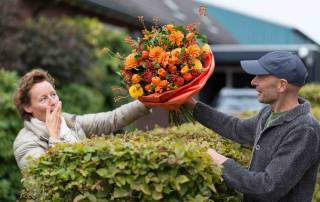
x=22, y=95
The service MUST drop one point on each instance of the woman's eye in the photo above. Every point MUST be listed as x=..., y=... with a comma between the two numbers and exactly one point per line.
x=43, y=99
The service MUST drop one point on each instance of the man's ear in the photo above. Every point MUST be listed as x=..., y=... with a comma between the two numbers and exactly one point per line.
x=283, y=85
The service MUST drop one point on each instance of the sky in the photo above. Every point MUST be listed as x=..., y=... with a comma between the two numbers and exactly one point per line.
x=301, y=14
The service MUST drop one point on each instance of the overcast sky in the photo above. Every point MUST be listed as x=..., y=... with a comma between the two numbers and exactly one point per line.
x=301, y=14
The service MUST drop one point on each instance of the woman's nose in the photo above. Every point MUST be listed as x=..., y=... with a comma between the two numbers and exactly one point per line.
x=52, y=101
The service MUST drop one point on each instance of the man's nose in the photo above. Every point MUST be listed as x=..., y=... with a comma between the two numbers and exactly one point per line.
x=254, y=81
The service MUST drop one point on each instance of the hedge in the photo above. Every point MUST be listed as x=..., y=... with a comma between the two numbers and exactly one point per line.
x=162, y=164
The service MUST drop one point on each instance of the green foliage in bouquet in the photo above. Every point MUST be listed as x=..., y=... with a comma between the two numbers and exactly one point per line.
x=9, y=126
x=159, y=165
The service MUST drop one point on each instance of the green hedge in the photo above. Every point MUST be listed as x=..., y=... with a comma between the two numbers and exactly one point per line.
x=312, y=93
x=163, y=164
x=9, y=126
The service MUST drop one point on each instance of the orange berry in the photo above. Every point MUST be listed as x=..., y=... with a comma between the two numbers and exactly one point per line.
x=185, y=69
x=162, y=72
x=179, y=81
x=156, y=81
x=187, y=76
x=148, y=88
x=172, y=69
x=136, y=78
x=144, y=54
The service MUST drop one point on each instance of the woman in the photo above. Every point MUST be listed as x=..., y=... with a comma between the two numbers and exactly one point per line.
x=45, y=124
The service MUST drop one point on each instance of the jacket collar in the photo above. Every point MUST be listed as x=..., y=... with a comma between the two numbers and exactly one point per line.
x=302, y=108
x=42, y=133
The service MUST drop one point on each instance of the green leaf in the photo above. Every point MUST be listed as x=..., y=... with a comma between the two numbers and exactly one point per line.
x=121, y=192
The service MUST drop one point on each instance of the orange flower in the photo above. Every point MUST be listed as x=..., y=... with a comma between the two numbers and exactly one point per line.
x=163, y=59
x=130, y=61
x=156, y=81
x=176, y=37
x=155, y=52
x=169, y=27
x=172, y=69
x=162, y=72
x=136, y=78
x=164, y=84
x=189, y=36
x=193, y=51
x=144, y=54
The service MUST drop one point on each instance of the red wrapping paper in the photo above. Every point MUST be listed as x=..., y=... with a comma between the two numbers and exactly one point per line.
x=172, y=100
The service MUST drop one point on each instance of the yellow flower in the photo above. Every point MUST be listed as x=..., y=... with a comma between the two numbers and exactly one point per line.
x=205, y=49
x=136, y=91
x=197, y=64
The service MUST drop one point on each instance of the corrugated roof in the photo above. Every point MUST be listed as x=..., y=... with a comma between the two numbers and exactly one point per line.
x=251, y=30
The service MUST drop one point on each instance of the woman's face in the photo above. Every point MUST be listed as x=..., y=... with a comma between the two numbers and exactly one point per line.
x=42, y=96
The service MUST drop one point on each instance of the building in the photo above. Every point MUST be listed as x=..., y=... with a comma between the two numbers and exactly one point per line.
x=256, y=37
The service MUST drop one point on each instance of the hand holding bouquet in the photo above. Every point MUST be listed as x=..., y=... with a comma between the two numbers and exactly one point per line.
x=168, y=66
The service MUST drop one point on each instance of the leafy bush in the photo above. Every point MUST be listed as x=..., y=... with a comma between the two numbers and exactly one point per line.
x=311, y=92
x=9, y=126
x=56, y=46
x=80, y=99
x=163, y=164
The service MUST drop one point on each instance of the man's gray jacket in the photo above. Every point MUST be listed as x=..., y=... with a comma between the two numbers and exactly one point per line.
x=285, y=155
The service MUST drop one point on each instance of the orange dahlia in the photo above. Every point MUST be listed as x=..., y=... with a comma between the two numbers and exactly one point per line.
x=130, y=61
x=155, y=52
x=193, y=51
x=176, y=37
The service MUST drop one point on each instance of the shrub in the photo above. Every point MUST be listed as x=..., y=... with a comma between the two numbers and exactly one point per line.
x=311, y=92
x=163, y=164
x=9, y=126
x=80, y=99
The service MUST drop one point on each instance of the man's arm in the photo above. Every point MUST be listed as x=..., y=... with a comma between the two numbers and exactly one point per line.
x=297, y=153
x=241, y=131
x=108, y=122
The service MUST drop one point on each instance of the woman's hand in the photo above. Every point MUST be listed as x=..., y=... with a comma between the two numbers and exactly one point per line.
x=53, y=121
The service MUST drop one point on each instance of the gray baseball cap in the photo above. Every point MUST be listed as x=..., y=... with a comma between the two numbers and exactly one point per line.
x=282, y=64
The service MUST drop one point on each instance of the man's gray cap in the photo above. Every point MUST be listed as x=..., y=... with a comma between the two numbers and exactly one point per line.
x=281, y=64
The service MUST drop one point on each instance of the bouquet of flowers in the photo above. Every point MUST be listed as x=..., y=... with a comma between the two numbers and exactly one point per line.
x=167, y=66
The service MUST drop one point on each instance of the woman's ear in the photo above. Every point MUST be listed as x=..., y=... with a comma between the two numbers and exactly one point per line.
x=28, y=109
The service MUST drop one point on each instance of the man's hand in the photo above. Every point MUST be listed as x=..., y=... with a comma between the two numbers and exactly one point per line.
x=190, y=104
x=53, y=121
x=216, y=157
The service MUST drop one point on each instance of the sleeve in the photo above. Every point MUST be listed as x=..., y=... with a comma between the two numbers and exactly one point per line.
x=233, y=128
x=108, y=122
x=296, y=154
x=26, y=150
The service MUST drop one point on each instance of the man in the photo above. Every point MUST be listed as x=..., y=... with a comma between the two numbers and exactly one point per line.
x=45, y=125
x=284, y=136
